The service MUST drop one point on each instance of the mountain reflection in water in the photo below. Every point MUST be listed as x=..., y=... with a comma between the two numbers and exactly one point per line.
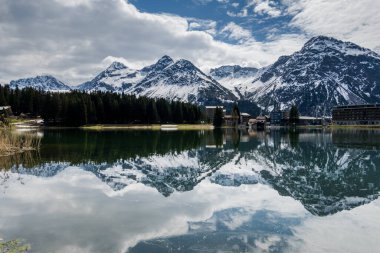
x=326, y=171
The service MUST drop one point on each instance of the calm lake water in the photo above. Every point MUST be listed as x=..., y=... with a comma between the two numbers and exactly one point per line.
x=151, y=191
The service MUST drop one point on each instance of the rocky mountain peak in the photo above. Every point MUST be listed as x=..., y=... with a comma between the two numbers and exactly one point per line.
x=326, y=72
x=185, y=64
x=116, y=66
x=329, y=45
x=45, y=82
x=165, y=60
x=232, y=71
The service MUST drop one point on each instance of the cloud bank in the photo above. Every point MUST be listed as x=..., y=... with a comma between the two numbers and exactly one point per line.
x=75, y=39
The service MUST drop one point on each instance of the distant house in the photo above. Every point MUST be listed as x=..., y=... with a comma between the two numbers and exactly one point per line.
x=210, y=112
x=368, y=114
x=310, y=121
x=279, y=117
x=244, y=118
x=230, y=120
x=261, y=122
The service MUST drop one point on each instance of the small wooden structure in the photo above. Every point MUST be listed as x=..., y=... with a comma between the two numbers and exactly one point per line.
x=6, y=110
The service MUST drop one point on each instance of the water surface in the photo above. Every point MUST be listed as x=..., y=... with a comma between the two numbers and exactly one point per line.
x=231, y=191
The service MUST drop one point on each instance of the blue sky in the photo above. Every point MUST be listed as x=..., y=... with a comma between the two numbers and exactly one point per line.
x=74, y=40
x=261, y=24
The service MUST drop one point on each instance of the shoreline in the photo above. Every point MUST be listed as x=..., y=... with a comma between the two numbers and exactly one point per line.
x=355, y=127
x=25, y=125
x=11, y=144
x=156, y=127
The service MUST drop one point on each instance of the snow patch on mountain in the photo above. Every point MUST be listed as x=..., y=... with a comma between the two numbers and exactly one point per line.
x=116, y=77
x=184, y=82
x=326, y=72
x=46, y=83
x=234, y=77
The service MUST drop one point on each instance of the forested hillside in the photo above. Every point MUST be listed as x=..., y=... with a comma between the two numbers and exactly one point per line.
x=77, y=108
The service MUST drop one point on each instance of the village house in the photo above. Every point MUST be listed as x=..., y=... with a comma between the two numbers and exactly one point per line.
x=210, y=112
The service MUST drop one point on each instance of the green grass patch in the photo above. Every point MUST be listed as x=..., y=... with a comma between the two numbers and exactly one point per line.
x=14, y=246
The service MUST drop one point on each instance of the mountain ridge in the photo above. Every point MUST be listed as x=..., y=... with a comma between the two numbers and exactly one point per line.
x=45, y=82
x=324, y=73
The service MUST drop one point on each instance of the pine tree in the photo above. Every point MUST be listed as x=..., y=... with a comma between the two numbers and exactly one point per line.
x=152, y=112
x=218, y=117
x=78, y=108
x=2, y=97
x=236, y=113
x=294, y=115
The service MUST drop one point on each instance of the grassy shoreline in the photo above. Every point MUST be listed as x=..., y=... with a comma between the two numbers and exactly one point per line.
x=31, y=124
x=11, y=144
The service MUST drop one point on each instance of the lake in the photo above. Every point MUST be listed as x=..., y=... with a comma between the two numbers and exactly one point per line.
x=195, y=191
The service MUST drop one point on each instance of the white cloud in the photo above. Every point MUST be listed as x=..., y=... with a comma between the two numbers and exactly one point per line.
x=357, y=21
x=74, y=40
x=73, y=43
x=260, y=7
x=242, y=13
x=202, y=2
x=73, y=3
x=236, y=32
x=235, y=5
x=208, y=26
x=265, y=7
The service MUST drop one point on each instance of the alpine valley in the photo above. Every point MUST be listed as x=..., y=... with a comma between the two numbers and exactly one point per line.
x=326, y=72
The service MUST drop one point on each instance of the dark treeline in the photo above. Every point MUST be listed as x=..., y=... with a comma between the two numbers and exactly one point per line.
x=79, y=108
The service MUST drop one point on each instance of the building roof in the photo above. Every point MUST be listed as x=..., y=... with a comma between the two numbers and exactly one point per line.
x=214, y=107
x=230, y=117
x=308, y=118
x=4, y=107
x=245, y=114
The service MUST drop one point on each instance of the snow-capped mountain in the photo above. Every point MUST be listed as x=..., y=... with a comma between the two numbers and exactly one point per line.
x=234, y=77
x=167, y=79
x=182, y=81
x=116, y=77
x=324, y=73
x=158, y=66
x=46, y=83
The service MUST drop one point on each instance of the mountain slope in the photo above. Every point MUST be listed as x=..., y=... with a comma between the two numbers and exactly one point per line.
x=185, y=82
x=167, y=79
x=46, y=83
x=324, y=73
x=116, y=77
x=234, y=77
